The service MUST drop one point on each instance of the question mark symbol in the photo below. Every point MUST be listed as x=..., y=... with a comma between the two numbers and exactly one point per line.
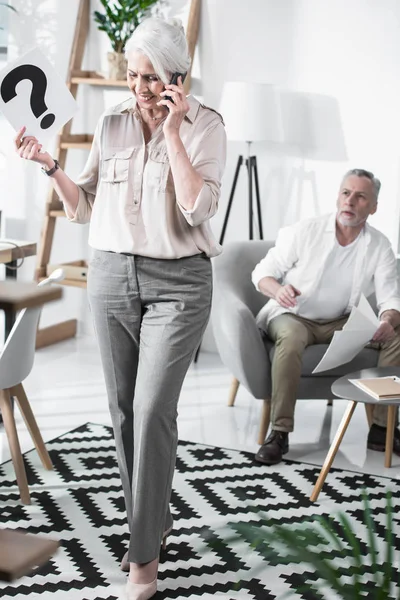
x=39, y=85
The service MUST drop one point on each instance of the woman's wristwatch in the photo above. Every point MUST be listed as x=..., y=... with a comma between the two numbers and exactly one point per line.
x=50, y=172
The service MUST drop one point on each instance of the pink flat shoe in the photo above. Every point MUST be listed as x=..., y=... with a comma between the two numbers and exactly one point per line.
x=139, y=591
x=125, y=564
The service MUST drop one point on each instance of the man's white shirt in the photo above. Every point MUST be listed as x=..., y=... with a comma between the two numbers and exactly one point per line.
x=331, y=299
x=308, y=256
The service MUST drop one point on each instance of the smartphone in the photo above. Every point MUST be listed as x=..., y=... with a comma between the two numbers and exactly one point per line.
x=174, y=81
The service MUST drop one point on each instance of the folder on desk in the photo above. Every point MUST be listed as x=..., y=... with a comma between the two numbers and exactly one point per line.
x=381, y=388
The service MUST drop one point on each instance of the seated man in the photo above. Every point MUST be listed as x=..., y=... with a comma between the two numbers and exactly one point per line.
x=324, y=264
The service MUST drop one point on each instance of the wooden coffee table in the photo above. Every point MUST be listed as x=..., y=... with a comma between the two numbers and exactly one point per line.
x=343, y=388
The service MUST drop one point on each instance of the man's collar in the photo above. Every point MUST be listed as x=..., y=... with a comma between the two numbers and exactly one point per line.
x=331, y=223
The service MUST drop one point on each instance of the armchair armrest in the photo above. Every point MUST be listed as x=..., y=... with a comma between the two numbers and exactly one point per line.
x=240, y=344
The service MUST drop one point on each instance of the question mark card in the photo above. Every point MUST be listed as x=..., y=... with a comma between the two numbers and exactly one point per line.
x=33, y=94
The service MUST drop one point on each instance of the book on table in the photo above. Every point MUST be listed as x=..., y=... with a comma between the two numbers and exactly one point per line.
x=380, y=388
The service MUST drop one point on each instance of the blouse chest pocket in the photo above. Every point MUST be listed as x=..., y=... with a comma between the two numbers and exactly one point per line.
x=115, y=164
x=158, y=171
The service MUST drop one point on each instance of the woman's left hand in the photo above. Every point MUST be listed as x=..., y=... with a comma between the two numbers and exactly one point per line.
x=177, y=109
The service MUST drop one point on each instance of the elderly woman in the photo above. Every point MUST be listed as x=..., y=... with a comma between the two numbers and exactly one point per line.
x=150, y=185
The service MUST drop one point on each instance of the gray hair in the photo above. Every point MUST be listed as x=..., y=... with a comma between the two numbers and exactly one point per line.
x=164, y=43
x=363, y=173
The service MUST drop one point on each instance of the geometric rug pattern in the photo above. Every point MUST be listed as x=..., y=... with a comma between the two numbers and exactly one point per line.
x=80, y=503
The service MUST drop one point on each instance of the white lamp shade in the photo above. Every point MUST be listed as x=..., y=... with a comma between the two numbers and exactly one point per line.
x=251, y=112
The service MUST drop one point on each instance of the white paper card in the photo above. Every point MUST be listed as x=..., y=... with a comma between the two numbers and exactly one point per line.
x=346, y=344
x=362, y=316
x=33, y=94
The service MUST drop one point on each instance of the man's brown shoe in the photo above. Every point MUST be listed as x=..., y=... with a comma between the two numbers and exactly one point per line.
x=274, y=447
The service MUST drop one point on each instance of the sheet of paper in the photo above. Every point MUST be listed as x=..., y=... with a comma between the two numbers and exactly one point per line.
x=33, y=94
x=346, y=344
x=361, y=316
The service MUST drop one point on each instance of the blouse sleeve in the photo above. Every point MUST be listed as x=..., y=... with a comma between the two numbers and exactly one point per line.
x=209, y=160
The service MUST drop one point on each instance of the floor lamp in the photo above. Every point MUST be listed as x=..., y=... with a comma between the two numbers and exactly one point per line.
x=252, y=174
x=251, y=114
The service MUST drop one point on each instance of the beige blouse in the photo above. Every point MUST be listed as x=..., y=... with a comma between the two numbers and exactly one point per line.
x=127, y=193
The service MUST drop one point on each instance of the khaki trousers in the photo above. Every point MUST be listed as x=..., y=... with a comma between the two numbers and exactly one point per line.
x=292, y=334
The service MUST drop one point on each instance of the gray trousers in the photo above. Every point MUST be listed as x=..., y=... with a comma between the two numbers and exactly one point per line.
x=149, y=317
x=292, y=334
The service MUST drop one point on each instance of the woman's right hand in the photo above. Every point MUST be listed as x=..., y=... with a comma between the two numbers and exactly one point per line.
x=30, y=149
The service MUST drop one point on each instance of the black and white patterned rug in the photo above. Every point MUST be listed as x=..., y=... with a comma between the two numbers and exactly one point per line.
x=81, y=503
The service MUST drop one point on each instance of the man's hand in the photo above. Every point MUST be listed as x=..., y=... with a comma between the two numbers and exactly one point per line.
x=286, y=296
x=384, y=333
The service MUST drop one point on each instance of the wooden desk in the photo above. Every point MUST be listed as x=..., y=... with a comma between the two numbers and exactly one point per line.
x=20, y=552
x=10, y=253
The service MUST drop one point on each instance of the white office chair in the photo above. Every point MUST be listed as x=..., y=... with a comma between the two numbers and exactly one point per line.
x=16, y=362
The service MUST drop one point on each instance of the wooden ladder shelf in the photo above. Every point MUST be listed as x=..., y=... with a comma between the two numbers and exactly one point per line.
x=68, y=141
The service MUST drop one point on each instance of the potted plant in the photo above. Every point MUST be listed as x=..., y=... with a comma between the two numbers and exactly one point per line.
x=120, y=19
x=311, y=542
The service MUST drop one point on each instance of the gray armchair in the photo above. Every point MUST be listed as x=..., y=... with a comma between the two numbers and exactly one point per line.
x=245, y=350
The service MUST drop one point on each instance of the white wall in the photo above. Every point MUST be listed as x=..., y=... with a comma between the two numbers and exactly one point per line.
x=351, y=50
x=347, y=51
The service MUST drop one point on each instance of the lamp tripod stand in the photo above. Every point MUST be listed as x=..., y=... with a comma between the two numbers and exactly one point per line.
x=252, y=174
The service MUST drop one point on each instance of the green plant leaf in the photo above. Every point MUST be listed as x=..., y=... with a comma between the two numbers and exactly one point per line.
x=297, y=540
x=99, y=17
x=388, y=564
x=355, y=546
x=311, y=557
x=121, y=19
x=9, y=6
x=371, y=531
x=331, y=533
x=301, y=544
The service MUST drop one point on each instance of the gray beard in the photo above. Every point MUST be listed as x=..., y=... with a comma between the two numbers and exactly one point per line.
x=347, y=224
